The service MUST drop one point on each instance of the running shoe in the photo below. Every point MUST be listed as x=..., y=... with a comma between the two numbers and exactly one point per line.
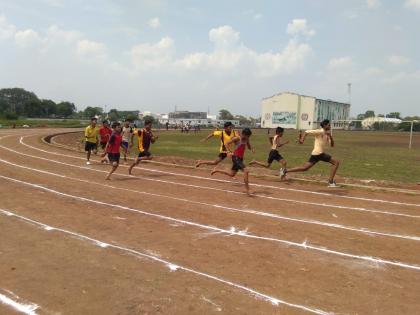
x=282, y=173
x=332, y=184
x=88, y=163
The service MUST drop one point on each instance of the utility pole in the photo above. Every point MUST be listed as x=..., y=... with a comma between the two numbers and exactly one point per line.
x=349, y=91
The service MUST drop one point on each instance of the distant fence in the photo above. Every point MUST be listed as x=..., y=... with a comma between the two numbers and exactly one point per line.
x=409, y=126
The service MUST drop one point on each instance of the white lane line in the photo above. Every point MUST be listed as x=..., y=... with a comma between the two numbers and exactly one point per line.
x=172, y=266
x=229, y=181
x=226, y=190
x=14, y=302
x=248, y=211
x=303, y=245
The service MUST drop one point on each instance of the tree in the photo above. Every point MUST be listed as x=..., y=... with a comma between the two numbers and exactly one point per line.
x=90, y=112
x=49, y=108
x=243, y=120
x=131, y=117
x=394, y=115
x=149, y=118
x=16, y=98
x=65, y=109
x=33, y=108
x=224, y=114
x=369, y=113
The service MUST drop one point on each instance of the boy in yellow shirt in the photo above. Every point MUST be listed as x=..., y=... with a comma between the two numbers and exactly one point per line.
x=225, y=136
x=91, y=139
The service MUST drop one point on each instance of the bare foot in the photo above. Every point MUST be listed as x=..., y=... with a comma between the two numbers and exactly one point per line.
x=108, y=178
x=252, y=162
x=197, y=165
x=213, y=172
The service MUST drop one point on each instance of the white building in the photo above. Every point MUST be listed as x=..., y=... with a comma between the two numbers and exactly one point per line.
x=369, y=122
x=291, y=110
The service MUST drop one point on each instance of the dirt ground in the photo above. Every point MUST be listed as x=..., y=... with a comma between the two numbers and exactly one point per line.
x=176, y=241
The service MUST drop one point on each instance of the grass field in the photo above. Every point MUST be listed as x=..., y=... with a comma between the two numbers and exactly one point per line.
x=62, y=123
x=365, y=155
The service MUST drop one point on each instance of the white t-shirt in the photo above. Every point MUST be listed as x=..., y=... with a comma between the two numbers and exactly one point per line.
x=321, y=140
x=126, y=134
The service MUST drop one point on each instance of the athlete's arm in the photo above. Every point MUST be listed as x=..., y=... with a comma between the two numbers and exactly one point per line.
x=207, y=138
x=248, y=144
x=331, y=140
x=282, y=144
x=233, y=140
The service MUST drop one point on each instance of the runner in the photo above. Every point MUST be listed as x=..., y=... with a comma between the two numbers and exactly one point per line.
x=322, y=138
x=225, y=136
x=127, y=137
x=241, y=143
x=91, y=139
x=112, y=148
x=274, y=154
x=105, y=133
x=145, y=137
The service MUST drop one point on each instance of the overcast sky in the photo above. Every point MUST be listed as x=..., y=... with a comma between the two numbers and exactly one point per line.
x=155, y=54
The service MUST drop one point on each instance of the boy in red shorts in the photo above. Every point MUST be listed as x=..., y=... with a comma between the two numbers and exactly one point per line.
x=112, y=148
x=240, y=143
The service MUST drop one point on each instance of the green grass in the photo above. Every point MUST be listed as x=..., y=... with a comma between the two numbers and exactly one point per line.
x=363, y=155
x=63, y=123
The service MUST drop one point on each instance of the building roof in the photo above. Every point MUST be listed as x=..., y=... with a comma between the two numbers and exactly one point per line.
x=293, y=93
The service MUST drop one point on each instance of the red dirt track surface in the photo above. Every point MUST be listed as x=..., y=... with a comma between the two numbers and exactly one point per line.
x=178, y=241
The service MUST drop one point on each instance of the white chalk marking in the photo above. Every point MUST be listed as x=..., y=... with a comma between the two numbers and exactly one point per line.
x=213, y=228
x=230, y=181
x=248, y=211
x=28, y=309
x=172, y=266
x=218, y=308
x=226, y=190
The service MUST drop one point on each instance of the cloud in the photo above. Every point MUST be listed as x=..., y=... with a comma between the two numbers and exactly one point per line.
x=341, y=63
x=396, y=60
x=224, y=36
x=412, y=4
x=54, y=3
x=233, y=57
x=154, y=23
x=300, y=26
x=153, y=55
x=372, y=4
x=257, y=16
x=7, y=30
x=88, y=48
x=27, y=38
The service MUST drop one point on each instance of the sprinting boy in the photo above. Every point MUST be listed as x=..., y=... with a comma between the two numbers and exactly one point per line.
x=127, y=137
x=240, y=143
x=323, y=137
x=274, y=154
x=112, y=148
x=225, y=136
x=145, y=138
x=105, y=133
x=91, y=139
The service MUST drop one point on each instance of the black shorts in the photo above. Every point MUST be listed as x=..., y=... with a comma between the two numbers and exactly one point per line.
x=114, y=157
x=90, y=146
x=321, y=157
x=103, y=145
x=144, y=154
x=274, y=155
x=237, y=163
x=222, y=155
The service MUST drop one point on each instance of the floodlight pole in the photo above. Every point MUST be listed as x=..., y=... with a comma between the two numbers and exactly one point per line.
x=411, y=135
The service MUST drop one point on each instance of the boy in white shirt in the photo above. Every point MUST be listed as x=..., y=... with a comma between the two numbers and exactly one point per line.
x=323, y=137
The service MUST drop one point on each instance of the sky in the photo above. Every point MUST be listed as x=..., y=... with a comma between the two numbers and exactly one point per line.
x=155, y=55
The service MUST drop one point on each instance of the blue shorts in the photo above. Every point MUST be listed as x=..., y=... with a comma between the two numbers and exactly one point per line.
x=124, y=144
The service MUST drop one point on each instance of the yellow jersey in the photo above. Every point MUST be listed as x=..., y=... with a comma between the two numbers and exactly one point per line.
x=91, y=134
x=224, y=138
x=144, y=139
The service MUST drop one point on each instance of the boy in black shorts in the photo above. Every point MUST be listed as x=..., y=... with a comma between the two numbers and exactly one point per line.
x=91, y=139
x=112, y=148
x=323, y=137
x=274, y=154
x=145, y=138
x=240, y=143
